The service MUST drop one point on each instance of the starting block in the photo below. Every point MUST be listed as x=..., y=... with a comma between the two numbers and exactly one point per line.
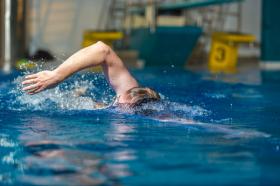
x=224, y=51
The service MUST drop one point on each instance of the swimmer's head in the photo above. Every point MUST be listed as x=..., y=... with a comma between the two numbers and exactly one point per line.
x=138, y=96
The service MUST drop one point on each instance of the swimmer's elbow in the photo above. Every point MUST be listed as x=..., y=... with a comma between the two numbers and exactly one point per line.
x=109, y=57
x=99, y=51
x=103, y=48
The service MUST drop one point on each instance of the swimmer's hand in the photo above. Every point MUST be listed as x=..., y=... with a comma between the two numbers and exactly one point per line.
x=36, y=83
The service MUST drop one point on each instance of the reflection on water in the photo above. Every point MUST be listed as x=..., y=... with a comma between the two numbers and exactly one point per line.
x=67, y=161
x=70, y=167
x=9, y=159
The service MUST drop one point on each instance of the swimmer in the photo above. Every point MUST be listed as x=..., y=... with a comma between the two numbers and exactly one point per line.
x=128, y=91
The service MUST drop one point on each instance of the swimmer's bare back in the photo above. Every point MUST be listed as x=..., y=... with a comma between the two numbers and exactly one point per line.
x=97, y=54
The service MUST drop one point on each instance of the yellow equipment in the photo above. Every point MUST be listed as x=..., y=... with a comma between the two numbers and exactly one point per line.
x=24, y=64
x=224, y=51
x=91, y=37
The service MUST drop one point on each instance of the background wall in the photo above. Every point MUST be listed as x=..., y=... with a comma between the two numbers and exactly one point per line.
x=58, y=25
x=251, y=17
x=251, y=23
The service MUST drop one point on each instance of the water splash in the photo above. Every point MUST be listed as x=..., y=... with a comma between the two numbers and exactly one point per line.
x=63, y=97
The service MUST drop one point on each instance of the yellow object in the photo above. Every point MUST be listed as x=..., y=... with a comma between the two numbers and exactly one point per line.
x=24, y=64
x=224, y=51
x=91, y=37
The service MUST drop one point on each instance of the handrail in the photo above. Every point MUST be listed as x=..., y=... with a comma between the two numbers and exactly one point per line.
x=182, y=5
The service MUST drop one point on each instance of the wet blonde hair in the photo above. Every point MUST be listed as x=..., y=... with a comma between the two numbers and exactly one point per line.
x=141, y=95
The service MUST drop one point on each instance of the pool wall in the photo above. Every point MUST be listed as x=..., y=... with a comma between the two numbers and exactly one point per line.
x=270, y=46
x=166, y=46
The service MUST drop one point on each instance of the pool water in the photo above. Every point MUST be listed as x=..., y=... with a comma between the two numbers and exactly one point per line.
x=204, y=132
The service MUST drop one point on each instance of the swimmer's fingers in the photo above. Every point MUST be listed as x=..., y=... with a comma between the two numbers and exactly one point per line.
x=31, y=87
x=29, y=81
x=35, y=91
x=32, y=76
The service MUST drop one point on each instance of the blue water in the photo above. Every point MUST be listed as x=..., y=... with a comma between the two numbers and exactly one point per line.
x=204, y=132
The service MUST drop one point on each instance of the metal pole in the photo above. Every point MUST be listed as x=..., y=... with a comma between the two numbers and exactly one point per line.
x=12, y=32
x=2, y=31
x=7, y=39
x=151, y=15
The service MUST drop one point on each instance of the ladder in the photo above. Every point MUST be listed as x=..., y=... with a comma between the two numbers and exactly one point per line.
x=117, y=14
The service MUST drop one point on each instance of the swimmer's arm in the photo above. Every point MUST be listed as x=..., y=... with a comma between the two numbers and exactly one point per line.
x=97, y=54
x=93, y=55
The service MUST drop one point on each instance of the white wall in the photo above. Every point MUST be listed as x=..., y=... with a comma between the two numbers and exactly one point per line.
x=58, y=25
x=251, y=17
x=251, y=23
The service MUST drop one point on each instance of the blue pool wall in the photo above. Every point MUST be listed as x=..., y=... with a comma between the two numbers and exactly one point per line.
x=166, y=46
x=270, y=48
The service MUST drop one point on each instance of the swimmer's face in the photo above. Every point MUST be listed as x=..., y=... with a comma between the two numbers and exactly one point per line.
x=137, y=96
